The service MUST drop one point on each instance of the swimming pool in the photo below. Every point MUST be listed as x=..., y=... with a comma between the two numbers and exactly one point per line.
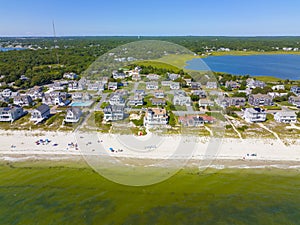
x=82, y=104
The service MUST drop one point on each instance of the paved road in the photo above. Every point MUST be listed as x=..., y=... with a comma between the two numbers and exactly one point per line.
x=98, y=105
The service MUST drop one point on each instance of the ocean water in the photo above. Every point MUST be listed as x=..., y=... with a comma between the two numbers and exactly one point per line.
x=281, y=66
x=72, y=193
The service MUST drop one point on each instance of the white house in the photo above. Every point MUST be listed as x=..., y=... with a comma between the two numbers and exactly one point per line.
x=173, y=76
x=136, y=100
x=112, y=86
x=285, y=117
x=24, y=100
x=295, y=100
x=116, y=99
x=113, y=113
x=152, y=85
x=155, y=117
x=10, y=114
x=166, y=83
x=205, y=102
x=211, y=85
x=40, y=113
x=159, y=94
x=71, y=76
x=278, y=87
x=175, y=86
x=73, y=115
x=6, y=93
x=253, y=115
x=180, y=98
x=153, y=77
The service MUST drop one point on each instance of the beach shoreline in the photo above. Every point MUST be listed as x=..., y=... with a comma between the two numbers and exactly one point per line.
x=22, y=146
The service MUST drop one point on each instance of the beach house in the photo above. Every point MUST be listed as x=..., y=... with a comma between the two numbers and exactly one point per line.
x=251, y=83
x=6, y=93
x=40, y=113
x=173, y=76
x=23, y=100
x=285, y=117
x=155, y=117
x=231, y=101
x=152, y=85
x=73, y=115
x=71, y=76
x=191, y=120
x=260, y=100
x=112, y=86
x=295, y=100
x=158, y=101
x=232, y=84
x=205, y=102
x=116, y=99
x=10, y=114
x=159, y=94
x=153, y=77
x=295, y=90
x=211, y=85
x=113, y=113
x=175, y=86
x=278, y=87
x=136, y=100
x=180, y=98
x=253, y=115
x=200, y=93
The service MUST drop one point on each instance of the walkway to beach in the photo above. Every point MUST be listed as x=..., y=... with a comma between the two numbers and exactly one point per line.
x=272, y=132
x=234, y=128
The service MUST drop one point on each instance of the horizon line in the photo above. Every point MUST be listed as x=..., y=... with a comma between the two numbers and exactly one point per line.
x=59, y=36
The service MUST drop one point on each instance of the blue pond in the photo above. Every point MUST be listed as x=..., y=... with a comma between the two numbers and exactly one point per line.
x=280, y=66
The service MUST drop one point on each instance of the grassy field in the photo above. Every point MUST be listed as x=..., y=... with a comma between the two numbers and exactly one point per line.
x=178, y=61
x=268, y=79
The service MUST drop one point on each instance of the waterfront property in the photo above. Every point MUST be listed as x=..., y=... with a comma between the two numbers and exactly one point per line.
x=73, y=115
x=10, y=114
x=285, y=117
x=155, y=117
x=113, y=113
x=40, y=113
x=191, y=121
x=253, y=115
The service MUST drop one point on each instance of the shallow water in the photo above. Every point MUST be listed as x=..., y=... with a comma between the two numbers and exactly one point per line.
x=71, y=193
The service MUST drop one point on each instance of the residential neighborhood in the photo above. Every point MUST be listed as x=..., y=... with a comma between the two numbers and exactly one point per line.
x=153, y=101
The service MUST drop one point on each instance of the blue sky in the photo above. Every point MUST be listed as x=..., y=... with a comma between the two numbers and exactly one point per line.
x=149, y=17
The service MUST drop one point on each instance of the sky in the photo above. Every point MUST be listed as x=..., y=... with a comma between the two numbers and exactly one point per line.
x=150, y=17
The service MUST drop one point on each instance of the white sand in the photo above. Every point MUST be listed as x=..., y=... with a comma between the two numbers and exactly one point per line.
x=231, y=149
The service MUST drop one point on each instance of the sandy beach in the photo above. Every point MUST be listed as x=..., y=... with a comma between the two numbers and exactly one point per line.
x=31, y=145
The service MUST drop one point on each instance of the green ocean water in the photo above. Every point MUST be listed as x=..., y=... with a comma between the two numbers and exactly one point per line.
x=72, y=193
